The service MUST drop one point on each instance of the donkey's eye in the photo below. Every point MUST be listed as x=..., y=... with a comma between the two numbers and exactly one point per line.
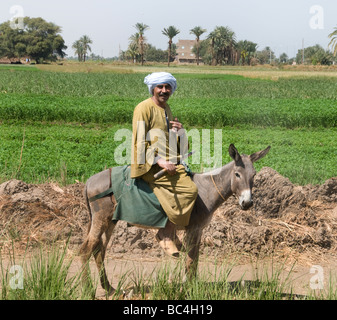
x=237, y=175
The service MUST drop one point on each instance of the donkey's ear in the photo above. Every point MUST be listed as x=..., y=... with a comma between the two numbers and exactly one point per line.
x=259, y=155
x=233, y=152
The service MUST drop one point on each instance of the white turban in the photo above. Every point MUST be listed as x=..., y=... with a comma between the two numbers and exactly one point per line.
x=157, y=78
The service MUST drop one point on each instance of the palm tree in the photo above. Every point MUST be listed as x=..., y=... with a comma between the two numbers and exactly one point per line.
x=132, y=51
x=78, y=46
x=197, y=31
x=333, y=42
x=211, y=37
x=246, y=49
x=170, y=32
x=85, y=43
x=141, y=28
x=133, y=48
x=223, y=45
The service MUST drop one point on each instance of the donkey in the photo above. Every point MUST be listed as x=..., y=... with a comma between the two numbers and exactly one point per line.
x=214, y=188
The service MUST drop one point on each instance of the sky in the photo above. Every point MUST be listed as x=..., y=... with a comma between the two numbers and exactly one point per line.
x=282, y=25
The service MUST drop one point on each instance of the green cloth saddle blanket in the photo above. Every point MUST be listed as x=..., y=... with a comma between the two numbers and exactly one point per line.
x=136, y=202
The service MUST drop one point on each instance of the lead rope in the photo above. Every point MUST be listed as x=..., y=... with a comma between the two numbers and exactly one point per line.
x=217, y=188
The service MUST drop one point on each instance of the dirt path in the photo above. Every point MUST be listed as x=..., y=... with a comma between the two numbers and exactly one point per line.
x=297, y=278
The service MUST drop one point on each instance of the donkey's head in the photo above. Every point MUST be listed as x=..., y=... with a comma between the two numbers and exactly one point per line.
x=242, y=175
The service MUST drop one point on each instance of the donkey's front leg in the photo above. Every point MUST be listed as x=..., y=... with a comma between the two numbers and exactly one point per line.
x=192, y=245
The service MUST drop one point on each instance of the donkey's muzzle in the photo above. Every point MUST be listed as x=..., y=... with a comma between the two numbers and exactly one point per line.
x=245, y=200
x=246, y=205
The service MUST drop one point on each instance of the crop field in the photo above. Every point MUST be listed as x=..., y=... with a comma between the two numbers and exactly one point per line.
x=62, y=126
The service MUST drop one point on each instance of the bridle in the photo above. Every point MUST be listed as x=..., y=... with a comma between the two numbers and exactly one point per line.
x=217, y=189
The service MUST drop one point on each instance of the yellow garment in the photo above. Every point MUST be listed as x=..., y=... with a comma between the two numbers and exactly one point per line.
x=151, y=137
x=176, y=194
x=148, y=118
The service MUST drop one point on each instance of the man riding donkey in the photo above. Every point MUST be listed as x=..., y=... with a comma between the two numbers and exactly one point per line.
x=158, y=144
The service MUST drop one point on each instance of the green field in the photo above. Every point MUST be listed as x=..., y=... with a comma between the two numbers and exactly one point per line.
x=61, y=126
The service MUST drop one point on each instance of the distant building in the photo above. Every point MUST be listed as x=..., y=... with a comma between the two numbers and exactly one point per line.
x=184, y=51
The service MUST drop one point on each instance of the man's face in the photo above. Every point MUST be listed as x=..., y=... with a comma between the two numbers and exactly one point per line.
x=162, y=92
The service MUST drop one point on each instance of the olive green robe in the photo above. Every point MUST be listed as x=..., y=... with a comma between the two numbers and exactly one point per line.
x=151, y=137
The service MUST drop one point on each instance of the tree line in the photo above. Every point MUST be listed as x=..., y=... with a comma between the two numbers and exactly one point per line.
x=221, y=47
x=42, y=41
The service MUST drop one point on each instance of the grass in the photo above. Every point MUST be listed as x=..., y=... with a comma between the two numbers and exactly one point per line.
x=71, y=117
x=39, y=152
x=261, y=72
x=269, y=281
x=43, y=276
x=213, y=283
x=46, y=277
x=208, y=100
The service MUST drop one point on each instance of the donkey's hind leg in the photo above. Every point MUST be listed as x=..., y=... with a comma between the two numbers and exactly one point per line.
x=102, y=212
x=106, y=237
x=99, y=255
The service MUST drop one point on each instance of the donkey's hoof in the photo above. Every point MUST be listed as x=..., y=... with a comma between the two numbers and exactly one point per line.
x=110, y=290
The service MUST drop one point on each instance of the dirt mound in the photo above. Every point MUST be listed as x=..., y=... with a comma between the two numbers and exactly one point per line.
x=283, y=216
x=41, y=213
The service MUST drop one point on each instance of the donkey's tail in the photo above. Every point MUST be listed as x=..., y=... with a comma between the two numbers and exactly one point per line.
x=85, y=193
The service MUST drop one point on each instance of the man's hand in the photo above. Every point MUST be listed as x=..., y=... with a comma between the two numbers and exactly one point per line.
x=177, y=126
x=168, y=165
